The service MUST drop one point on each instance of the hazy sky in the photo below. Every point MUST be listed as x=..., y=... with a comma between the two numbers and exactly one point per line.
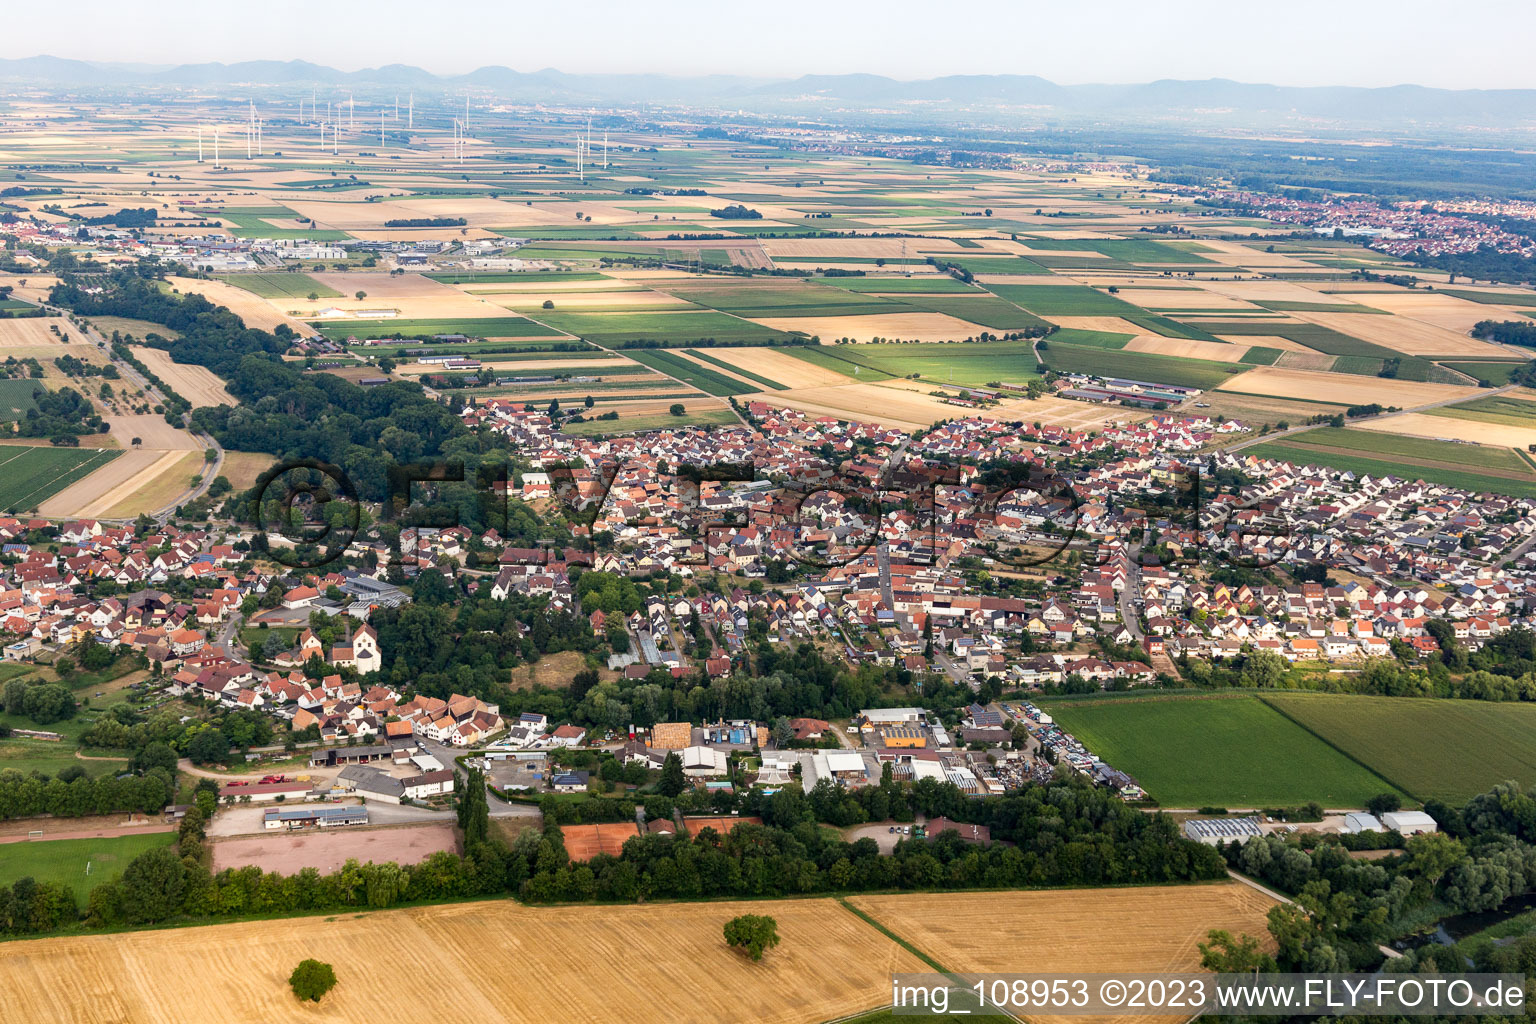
x=1471, y=44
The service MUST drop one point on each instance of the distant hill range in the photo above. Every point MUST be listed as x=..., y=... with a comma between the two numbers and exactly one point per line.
x=1030, y=96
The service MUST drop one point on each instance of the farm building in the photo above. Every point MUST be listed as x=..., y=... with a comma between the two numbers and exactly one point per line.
x=1359, y=821
x=1409, y=823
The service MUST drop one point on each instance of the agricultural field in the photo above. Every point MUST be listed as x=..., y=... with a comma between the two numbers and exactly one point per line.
x=636, y=417
x=974, y=363
x=487, y=327
x=706, y=379
x=1380, y=451
x=1161, y=369
x=1224, y=751
x=80, y=864
x=1134, y=929
x=18, y=397
x=282, y=285
x=1476, y=743
x=830, y=964
x=29, y=476
x=197, y=384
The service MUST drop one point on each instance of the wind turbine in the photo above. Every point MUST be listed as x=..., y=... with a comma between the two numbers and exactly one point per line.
x=351, y=124
x=215, y=145
x=410, y=112
x=605, y=149
x=199, y=143
x=250, y=130
x=397, y=106
x=381, y=128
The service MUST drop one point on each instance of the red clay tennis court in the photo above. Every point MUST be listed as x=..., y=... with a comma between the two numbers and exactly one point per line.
x=583, y=842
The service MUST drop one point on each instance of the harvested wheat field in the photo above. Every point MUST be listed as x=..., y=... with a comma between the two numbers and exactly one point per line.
x=780, y=365
x=173, y=475
x=113, y=483
x=898, y=326
x=890, y=406
x=33, y=332
x=1306, y=360
x=1113, y=324
x=1450, y=428
x=152, y=432
x=253, y=309
x=1347, y=389
x=1411, y=337
x=830, y=964
x=242, y=468
x=1188, y=349
x=1436, y=308
x=1148, y=930
x=197, y=384
x=1064, y=412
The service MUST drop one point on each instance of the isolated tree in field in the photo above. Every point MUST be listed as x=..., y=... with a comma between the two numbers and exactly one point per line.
x=549, y=304
x=753, y=934
x=677, y=409
x=361, y=296
x=672, y=780
x=588, y=402
x=314, y=296
x=311, y=980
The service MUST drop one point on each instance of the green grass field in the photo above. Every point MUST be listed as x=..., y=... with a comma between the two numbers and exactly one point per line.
x=273, y=286
x=1148, y=366
x=975, y=363
x=1494, y=373
x=255, y=222
x=1379, y=443
x=652, y=421
x=65, y=860
x=986, y=310
x=1492, y=298
x=1500, y=409
x=18, y=397
x=681, y=329
x=776, y=297
x=30, y=475
x=1050, y=300
x=1225, y=751
x=1450, y=749
x=1348, y=461
x=705, y=379
x=923, y=284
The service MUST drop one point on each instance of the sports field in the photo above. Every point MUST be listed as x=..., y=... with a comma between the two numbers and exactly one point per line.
x=1226, y=751
x=77, y=863
x=30, y=475
x=1450, y=749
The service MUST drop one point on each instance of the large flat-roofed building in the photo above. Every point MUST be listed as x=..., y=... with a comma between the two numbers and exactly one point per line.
x=903, y=736
x=1221, y=830
x=892, y=716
